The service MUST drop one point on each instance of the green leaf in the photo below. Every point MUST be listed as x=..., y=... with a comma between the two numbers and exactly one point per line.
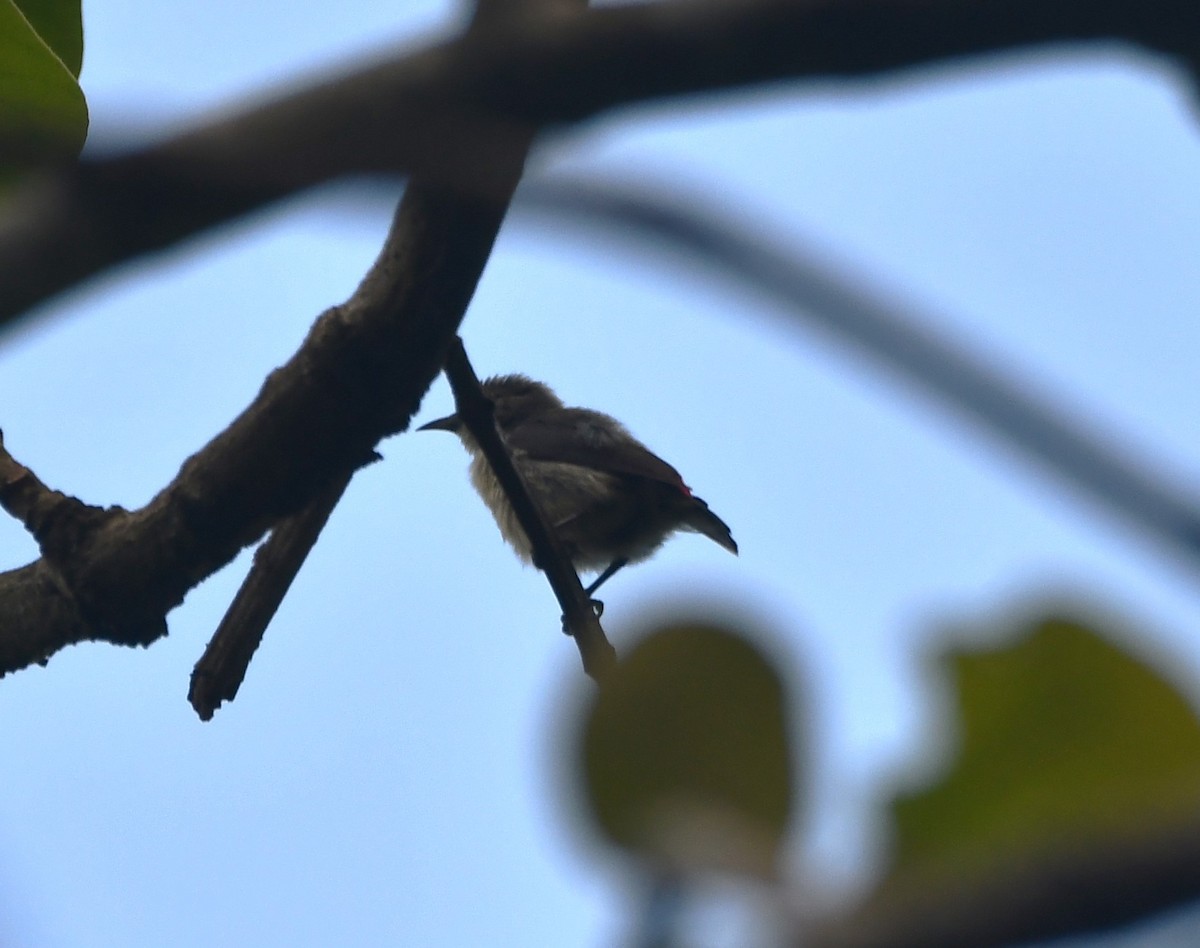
x=686, y=756
x=43, y=114
x=1067, y=743
x=60, y=25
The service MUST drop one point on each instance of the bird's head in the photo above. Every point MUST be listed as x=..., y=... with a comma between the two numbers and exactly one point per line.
x=515, y=397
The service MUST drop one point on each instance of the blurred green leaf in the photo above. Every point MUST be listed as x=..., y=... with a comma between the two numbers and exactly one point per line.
x=43, y=114
x=60, y=25
x=686, y=753
x=1066, y=741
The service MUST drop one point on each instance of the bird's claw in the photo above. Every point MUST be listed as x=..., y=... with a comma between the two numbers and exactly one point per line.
x=597, y=608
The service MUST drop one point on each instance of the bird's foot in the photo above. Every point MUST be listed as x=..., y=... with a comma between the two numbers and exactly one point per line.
x=597, y=608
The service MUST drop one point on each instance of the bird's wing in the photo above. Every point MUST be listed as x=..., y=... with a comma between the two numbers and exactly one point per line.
x=593, y=440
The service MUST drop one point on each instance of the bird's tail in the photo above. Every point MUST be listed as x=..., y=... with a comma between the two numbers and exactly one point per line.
x=703, y=520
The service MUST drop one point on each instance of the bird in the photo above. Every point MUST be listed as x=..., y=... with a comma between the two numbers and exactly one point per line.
x=608, y=497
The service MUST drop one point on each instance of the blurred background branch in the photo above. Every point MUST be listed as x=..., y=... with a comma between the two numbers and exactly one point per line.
x=810, y=291
x=438, y=110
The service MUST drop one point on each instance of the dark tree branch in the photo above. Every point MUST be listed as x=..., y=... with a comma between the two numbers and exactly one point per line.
x=475, y=409
x=54, y=519
x=439, y=112
x=221, y=669
x=358, y=377
x=59, y=591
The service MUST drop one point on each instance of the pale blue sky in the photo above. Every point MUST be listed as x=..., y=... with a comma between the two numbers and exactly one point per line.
x=1044, y=212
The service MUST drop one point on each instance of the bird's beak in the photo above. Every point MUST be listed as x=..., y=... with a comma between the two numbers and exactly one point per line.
x=449, y=423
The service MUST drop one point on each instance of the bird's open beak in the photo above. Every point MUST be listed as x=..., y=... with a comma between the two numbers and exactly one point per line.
x=449, y=423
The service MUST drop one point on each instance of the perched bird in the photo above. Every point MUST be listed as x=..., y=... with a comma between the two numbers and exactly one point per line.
x=609, y=498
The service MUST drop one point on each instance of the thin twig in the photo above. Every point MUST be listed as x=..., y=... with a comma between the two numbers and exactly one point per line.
x=475, y=410
x=221, y=669
x=25, y=497
x=61, y=524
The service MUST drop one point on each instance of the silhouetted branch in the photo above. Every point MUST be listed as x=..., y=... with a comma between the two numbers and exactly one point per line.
x=475, y=410
x=417, y=238
x=44, y=512
x=61, y=599
x=440, y=111
x=358, y=377
x=220, y=671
